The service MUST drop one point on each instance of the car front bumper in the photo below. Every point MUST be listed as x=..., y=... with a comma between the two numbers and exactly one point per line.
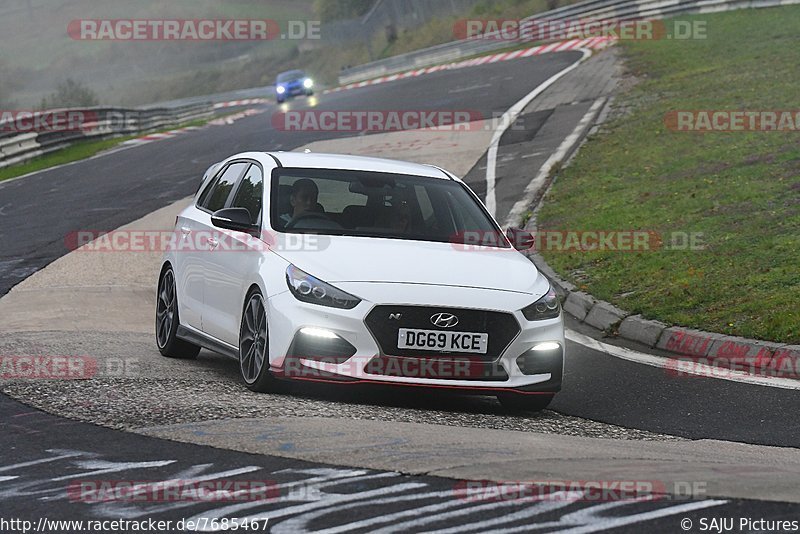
x=360, y=354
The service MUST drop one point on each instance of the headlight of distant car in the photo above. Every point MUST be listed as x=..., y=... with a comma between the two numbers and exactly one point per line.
x=308, y=83
x=281, y=89
x=309, y=289
x=547, y=307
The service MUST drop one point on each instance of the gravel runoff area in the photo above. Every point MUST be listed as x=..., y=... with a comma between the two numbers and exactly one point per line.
x=135, y=387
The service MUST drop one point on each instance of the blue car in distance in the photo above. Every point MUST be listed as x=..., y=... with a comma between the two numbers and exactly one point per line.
x=293, y=83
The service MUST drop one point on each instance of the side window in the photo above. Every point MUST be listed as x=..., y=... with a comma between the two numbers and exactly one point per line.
x=215, y=196
x=250, y=193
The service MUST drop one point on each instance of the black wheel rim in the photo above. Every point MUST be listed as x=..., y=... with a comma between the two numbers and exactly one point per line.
x=253, y=343
x=165, y=308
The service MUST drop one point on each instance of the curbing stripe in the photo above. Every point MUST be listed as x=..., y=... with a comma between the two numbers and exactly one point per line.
x=673, y=367
x=597, y=42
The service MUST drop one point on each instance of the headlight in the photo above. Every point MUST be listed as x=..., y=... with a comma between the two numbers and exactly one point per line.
x=308, y=83
x=547, y=307
x=306, y=288
x=281, y=89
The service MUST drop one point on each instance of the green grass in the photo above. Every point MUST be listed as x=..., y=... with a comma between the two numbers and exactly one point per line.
x=740, y=190
x=78, y=151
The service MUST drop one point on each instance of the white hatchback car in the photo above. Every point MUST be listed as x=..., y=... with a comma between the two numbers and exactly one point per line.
x=350, y=269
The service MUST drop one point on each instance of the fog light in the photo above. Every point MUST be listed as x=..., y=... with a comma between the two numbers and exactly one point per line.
x=318, y=344
x=547, y=357
x=318, y=332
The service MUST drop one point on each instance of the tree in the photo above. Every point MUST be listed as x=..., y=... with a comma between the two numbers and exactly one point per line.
x=328, y=10
x=70, y=94
x=6, y=86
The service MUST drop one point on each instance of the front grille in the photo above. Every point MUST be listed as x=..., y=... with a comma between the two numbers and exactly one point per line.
x=385, y=320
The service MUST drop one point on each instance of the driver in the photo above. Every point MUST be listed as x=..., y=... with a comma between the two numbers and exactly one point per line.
x=303, y=199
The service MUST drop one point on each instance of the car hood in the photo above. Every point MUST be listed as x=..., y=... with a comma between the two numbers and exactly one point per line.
x=362, y=259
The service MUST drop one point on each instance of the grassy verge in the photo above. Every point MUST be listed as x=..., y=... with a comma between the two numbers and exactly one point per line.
x=78, y=151
x=741, y=191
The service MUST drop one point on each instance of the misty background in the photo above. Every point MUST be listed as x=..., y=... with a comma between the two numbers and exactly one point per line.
x=42, y=67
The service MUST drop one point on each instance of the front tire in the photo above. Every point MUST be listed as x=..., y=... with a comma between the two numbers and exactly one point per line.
x=517, y=402
x=254, y=346
x=167, y=321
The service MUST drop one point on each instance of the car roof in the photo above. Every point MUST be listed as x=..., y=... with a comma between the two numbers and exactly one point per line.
x=315, y=160
x=294, y=72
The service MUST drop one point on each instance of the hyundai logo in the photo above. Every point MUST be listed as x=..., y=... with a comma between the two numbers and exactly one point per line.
x=444, y=320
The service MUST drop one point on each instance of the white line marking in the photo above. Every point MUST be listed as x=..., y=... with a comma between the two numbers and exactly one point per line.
x=101, y=467
x=538, y=181
x=470, y=88
x=698, y=369
x=559, y=500
x=593, y=521
x=66, y=454
x=507, y=120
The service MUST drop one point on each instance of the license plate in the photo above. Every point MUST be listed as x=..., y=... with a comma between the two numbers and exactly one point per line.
x=412, y=338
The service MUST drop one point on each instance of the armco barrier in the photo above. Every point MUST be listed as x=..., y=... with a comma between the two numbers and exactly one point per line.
x=590, y=9
x=105, y=123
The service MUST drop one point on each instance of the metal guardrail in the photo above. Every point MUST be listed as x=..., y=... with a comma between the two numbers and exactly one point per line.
x=97, y=123
x=589, y=9
x=20, y=146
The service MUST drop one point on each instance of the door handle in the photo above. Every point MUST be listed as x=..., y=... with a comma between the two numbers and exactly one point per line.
x=186, y=230
x=213, y=242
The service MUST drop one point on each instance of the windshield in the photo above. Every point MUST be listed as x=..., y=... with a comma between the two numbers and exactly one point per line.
x=291, y=75
x=370, y=204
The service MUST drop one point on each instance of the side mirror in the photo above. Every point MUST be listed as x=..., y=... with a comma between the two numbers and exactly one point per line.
x=237, y=219
x=520, y=239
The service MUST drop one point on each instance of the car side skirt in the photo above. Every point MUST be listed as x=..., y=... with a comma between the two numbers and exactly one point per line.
x=191, y=335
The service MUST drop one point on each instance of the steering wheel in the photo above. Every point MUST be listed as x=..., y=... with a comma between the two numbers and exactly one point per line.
x=306, y=216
